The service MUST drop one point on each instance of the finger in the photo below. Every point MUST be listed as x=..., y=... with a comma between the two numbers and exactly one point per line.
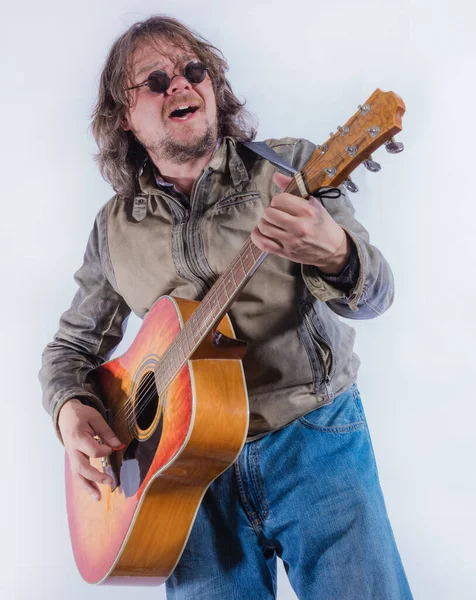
x=102, y=429
x=88, y=443
x=81, y=465
x=282, y=181
x=266, y=244
x=269, y=230
x=89, y=486
x=297, y=207
x=279, y=218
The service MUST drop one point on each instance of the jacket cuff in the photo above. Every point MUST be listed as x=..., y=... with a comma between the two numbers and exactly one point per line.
x=347, y=279
x=347, y=285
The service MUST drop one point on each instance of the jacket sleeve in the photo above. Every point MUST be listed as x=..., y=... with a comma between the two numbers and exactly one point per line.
x=347, y=279
x=88, y=331
x=373, y=291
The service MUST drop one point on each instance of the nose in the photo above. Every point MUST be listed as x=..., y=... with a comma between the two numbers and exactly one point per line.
x=178, y=83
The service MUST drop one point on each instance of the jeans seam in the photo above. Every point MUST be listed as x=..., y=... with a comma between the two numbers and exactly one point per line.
x=356, y=394
x=252, y=515
x=338, y=429
x=258, y=482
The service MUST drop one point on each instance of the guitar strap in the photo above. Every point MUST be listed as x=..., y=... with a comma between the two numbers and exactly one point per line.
x=265, y=151
x=269, y=154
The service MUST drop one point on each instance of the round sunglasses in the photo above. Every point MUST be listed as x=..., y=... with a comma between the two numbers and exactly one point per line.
x=159, y=82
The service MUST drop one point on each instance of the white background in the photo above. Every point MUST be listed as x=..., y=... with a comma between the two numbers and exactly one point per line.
x=303, y=68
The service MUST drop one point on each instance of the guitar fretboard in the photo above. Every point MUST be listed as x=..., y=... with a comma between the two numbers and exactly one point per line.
x=209, y=312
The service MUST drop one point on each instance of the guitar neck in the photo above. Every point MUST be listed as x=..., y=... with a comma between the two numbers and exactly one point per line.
x=222, y=294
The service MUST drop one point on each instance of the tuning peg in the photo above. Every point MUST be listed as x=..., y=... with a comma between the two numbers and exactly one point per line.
x=371, y=165
x=350, y=185
x=364, y=109
x=393, y=147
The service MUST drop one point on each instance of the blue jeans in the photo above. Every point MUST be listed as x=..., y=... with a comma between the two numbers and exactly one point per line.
x=310, y=494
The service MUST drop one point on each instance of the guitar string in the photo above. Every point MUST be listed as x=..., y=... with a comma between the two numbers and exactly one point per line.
x=143, y=401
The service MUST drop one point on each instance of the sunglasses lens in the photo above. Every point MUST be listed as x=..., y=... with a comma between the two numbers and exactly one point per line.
x=158, y=82
x=195, y=72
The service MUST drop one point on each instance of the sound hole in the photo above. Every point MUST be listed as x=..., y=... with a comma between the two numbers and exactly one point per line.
x=146, y=401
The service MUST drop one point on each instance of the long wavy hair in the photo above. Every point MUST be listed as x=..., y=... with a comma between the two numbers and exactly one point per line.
x=120, y=155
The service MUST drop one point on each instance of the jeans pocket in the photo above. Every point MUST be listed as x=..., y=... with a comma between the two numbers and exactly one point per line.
x=344, y=414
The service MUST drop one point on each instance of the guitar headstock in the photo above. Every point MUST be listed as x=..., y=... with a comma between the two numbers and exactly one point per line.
x=375, y=123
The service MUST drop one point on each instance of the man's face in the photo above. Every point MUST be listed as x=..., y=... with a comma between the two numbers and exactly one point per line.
x=167, y=137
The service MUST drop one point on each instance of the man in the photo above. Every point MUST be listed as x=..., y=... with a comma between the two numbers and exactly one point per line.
x=188, y=193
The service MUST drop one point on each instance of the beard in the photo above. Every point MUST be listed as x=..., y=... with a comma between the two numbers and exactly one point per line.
x=181, y=152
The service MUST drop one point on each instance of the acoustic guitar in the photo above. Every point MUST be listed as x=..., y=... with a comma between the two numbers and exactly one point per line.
x=177, y=398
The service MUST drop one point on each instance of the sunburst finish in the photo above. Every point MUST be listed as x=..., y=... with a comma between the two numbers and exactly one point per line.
x=139, y=538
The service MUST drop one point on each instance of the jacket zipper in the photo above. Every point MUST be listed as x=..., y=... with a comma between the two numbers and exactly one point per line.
x=189, y=262
x=318, y=341
x=181, y=226
x=196, y=184
x=194, y=263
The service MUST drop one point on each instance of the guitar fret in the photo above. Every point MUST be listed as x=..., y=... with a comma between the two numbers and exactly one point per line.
x=166, y=369
x=253, y=248
x=163, y=368
x=194, y=324
x=209, y=308
x=249, y=258
x=217, y=307
x=242, y=265
x=181, y=348
x=226, y=290
x=185, y=332
x=234, y=278
x=203, y=321
x=229, y=283
x=170, y=365
x=220, y=295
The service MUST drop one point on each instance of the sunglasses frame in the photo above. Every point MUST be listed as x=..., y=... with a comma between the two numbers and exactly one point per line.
x=192, y=62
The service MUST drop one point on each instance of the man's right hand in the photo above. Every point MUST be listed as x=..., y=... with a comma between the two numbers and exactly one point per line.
x=79, y=424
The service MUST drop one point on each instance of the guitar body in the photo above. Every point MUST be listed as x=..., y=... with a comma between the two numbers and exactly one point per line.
x=175, y=448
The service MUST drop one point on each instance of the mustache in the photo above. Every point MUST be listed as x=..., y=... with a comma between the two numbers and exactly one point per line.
x=186, y=100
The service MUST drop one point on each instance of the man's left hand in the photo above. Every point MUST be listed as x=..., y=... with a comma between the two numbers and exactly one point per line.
x=302, y=231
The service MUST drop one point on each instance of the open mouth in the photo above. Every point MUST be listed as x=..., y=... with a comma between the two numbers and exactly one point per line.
x=183, y=112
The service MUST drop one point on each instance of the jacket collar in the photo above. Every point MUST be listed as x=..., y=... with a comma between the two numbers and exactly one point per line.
x=226, y=158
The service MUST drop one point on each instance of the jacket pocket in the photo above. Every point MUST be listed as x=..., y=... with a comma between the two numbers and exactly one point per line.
x=236, y=199
x=315, y=346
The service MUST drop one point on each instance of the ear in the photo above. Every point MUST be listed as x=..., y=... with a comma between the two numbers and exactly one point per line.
x=124, y=122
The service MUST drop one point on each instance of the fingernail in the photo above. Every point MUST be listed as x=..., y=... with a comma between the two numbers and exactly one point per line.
x=94, y=496
x=120, y=447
